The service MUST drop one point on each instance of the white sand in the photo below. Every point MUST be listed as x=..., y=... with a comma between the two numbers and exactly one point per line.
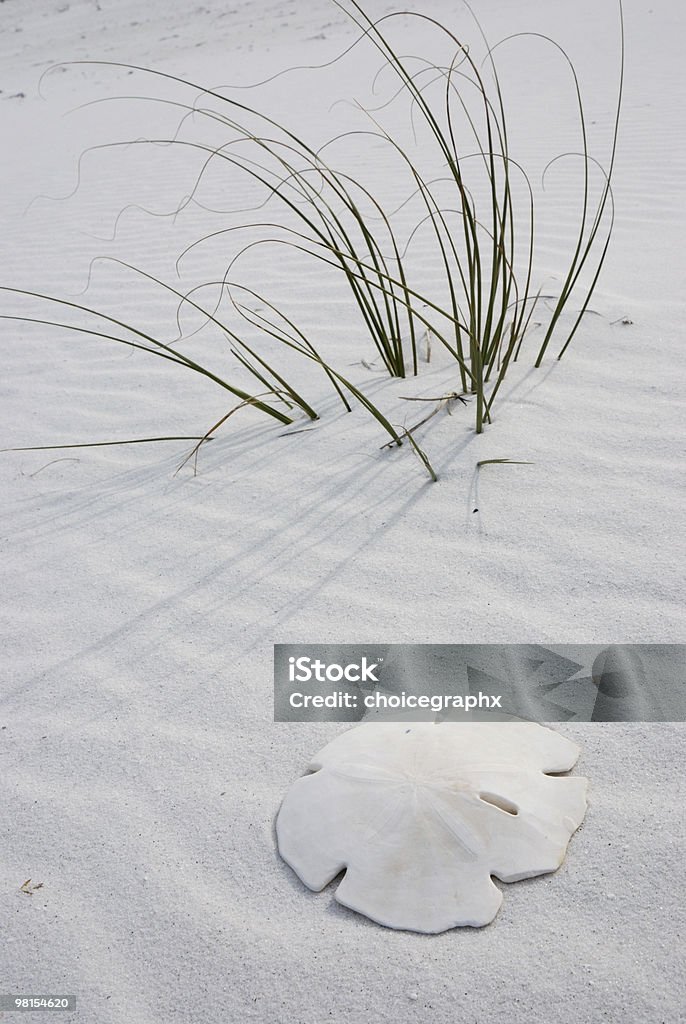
x=140, y=767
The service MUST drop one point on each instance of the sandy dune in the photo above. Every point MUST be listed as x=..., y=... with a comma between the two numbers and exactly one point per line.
x=140, y=768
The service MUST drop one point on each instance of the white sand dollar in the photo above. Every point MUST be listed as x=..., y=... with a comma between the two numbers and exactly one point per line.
x=422, y=815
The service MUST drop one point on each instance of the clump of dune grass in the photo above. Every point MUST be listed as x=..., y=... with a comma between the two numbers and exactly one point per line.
x=484, y=246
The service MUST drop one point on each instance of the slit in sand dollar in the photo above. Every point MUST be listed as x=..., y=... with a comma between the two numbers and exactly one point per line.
x=420, y=816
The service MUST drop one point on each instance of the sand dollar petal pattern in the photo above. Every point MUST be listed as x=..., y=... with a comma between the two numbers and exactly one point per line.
x=421, y=815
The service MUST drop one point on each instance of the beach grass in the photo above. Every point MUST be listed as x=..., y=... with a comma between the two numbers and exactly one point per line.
x=484, y=249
